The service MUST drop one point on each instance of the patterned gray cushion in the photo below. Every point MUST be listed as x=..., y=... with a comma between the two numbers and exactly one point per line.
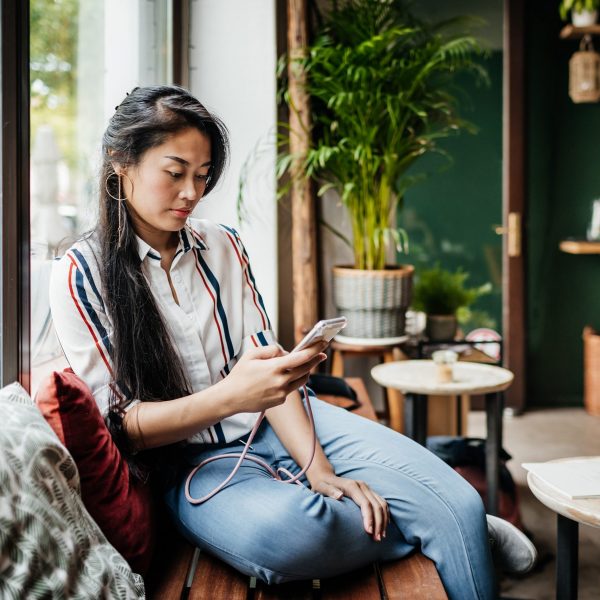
x=50, y=547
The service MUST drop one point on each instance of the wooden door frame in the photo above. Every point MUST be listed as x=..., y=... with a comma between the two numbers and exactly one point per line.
x=181, y=42
x=15, y=278
x=514, y=201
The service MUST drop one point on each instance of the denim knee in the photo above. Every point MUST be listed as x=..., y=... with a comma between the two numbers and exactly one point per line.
x=454, y=507
x=466, y=499
x=293, y=537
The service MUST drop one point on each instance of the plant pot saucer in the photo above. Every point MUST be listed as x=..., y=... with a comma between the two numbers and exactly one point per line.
x=386, y=341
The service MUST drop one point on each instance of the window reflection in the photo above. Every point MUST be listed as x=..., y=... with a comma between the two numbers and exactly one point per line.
x=85, y=55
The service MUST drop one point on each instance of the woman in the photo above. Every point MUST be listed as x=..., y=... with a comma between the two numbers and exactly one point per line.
x=160, y=315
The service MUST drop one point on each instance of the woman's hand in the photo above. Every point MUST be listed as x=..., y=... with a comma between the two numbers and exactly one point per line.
x=374, y=508
x=264, y=376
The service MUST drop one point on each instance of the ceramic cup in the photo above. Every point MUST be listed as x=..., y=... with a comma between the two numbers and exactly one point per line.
x=444, y=365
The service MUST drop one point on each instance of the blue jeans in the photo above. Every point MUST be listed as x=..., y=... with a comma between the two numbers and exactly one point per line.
x=281, y=532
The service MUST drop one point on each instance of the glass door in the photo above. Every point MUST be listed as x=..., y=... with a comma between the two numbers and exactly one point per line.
x=453, y=216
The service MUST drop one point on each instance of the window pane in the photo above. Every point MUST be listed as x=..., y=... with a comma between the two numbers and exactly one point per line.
x=1, y=229
x=85, y=56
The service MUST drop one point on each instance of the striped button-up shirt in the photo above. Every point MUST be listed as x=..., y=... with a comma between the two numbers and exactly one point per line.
x=220, y=313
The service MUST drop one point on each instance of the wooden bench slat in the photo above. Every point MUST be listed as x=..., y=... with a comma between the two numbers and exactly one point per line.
x=412, y=577
x=169, y=571
x=358, y=585
x=218, y=581
x=295, y=590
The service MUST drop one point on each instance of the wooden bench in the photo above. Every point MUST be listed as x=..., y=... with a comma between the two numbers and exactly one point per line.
x=182, y=572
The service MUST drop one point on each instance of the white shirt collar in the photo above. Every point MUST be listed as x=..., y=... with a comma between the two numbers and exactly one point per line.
x=188, y=239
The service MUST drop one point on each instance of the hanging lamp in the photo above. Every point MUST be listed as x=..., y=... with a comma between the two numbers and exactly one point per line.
x=584, y=73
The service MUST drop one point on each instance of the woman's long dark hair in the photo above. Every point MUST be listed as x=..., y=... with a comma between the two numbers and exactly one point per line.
x=146, y=366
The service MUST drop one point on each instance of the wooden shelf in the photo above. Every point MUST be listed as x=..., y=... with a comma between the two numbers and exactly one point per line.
x=580, y=247
x=570, y=32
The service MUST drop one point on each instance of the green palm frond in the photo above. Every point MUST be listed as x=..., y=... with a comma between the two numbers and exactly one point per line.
x=379, y=81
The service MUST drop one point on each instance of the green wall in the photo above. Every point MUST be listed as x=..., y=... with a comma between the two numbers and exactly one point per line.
x=450, y=217
x=563, y=178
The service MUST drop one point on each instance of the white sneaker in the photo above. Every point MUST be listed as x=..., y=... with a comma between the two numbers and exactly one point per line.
x=510, y=546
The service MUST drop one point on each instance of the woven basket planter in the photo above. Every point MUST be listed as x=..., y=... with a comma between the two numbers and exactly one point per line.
x=374, y=302
x=591, y=371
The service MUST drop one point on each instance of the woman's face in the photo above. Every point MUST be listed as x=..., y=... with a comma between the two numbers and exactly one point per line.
x=167, y=184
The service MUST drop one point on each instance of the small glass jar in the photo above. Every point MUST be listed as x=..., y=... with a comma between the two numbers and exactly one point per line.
x=444, y=365
x=593, y=231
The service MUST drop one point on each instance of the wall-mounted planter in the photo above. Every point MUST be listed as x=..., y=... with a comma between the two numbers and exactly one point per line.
x=585, y=18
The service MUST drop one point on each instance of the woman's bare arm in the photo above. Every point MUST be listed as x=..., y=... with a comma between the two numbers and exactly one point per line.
x=261, y=379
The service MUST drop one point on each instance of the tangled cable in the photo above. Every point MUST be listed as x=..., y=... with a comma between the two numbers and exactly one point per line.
x=243, y=456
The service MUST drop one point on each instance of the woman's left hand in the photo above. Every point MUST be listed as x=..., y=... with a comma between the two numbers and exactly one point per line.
x=374, y=508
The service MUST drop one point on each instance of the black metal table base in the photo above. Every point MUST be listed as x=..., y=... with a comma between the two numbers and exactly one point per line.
x=415, y=427
x=415, y=417
x=493, y=445
x=566, y=558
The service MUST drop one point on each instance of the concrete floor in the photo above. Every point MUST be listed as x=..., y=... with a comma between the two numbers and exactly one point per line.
x=538, y=436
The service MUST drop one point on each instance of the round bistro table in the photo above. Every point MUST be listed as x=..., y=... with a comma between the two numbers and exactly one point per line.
x=569, y=513
x=386, y=350
x=417, y=380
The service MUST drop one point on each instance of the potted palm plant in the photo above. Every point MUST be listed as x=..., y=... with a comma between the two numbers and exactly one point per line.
x=443, y=295
x=379, y=81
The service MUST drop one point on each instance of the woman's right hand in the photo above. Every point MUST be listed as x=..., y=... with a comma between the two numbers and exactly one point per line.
x=264, y=376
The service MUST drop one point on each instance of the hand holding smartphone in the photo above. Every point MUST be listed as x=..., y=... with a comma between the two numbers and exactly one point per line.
x=322, y=331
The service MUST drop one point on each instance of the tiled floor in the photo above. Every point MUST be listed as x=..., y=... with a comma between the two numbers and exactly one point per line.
x=538, y=436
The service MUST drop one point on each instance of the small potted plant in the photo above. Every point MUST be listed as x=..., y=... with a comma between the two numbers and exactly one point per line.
x=444, y=297
x=583, y=12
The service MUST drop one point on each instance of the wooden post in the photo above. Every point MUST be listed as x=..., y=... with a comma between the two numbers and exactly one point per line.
x=514, y=202
x=304, y=247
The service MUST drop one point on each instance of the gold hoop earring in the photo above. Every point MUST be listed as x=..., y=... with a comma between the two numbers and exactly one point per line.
x=118, y=176
x=120, y=208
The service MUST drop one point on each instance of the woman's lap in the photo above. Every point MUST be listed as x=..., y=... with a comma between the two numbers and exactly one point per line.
x=280, y=531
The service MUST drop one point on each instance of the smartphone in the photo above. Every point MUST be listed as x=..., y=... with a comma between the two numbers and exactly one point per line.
x=323, y=330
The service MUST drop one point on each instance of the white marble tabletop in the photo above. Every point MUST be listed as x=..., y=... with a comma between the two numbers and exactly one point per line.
x=581, y=510
x=419, y=377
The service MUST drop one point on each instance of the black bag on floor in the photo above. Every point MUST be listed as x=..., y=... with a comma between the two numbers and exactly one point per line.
x=467, y=457
x=334, y=386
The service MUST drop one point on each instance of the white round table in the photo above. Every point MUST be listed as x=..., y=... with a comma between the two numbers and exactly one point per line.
x=417, y=380
x=569, y=513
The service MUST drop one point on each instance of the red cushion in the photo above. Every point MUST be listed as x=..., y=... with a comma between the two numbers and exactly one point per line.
x=121, y=507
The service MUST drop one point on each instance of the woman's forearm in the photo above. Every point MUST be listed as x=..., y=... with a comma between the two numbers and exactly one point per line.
x=292, y=426
x=262, y=379
x=153, y=424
